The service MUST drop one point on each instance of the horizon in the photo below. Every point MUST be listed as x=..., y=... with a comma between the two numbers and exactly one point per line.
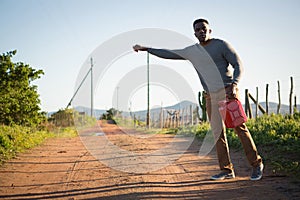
x=176, y=104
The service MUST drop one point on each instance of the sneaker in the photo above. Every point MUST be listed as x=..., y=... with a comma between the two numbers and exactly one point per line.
x=257, y=173
x=223, y=175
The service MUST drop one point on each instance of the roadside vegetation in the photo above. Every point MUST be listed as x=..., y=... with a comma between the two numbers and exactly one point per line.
x=277, y=138
x=22, y=123
x=17, y=138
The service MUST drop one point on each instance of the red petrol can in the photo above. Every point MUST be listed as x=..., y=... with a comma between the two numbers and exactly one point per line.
x=232, y=113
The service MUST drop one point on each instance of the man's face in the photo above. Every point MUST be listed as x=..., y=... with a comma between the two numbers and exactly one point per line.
x=202, y=31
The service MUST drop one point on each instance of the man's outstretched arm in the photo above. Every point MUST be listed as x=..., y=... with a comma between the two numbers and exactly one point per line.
x=162, y=53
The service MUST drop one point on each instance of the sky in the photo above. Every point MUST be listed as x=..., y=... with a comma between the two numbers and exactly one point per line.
x=60, y=36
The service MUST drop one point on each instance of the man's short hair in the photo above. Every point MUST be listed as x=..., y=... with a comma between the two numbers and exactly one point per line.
x=200, y=21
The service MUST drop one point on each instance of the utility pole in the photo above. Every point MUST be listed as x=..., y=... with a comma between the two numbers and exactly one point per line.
x=148, y=94
x=92, y=92
x=118, y=97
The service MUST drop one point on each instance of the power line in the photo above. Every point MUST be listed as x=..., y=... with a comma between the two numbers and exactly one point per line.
x=89, y=71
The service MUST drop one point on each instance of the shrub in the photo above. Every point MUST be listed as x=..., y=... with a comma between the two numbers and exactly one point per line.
x=16, y=138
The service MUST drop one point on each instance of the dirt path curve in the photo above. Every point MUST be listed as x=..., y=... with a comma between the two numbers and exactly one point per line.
x=62, y=168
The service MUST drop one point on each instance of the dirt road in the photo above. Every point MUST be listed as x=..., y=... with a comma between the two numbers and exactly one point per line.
x=62, y=168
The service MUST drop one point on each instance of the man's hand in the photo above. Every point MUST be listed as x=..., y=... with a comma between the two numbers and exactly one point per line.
x=231, y=91
x=139, y=48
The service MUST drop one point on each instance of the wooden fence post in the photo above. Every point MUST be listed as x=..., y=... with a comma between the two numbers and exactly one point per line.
x=279, y=98
x=186, y=121
x=161, y=118
x=180, y=117
x=172, y=121
x=248, y=107
x=191, y=115
x=259, y=106
x=246, y=103
x=291, y=96
x=177, y=118
x=256, y=105
x=295, y=104
x=183, y=116
x=267, y=100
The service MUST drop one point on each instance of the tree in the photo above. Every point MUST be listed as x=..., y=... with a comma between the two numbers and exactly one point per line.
x=19, y=100
x=63, y=117
x=110, y=114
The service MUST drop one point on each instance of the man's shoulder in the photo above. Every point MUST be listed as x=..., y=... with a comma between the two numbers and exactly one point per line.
x=219, y=41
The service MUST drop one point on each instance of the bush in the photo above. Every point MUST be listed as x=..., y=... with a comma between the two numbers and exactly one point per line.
x=70, y=118
x=277, y=137
x=14, y=139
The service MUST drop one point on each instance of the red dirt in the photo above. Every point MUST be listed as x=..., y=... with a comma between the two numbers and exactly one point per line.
x=62, y=168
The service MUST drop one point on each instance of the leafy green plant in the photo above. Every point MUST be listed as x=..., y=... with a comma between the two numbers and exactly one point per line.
x=277, y=137
x=19, y=100
x=110, y=114
x=65, y=118
x=14, y=139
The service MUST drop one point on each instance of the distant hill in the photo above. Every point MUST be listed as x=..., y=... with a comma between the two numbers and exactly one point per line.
x=284, y=109
x=97, y=112
x=86, y=110
x=156, y=111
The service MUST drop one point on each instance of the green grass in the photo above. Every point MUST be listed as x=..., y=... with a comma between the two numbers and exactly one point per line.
x=16, y=139
x=276, y=137
x=66, y=132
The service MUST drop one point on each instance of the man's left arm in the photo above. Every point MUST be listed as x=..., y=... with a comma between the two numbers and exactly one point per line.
x=235, y=61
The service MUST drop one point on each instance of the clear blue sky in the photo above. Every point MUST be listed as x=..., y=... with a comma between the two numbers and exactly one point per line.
x=59, y=35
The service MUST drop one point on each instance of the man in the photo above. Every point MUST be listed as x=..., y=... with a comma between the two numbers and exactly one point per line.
x=211, y=59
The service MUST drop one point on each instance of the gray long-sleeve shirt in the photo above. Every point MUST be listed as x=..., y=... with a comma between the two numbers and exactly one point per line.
x=211, y=62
